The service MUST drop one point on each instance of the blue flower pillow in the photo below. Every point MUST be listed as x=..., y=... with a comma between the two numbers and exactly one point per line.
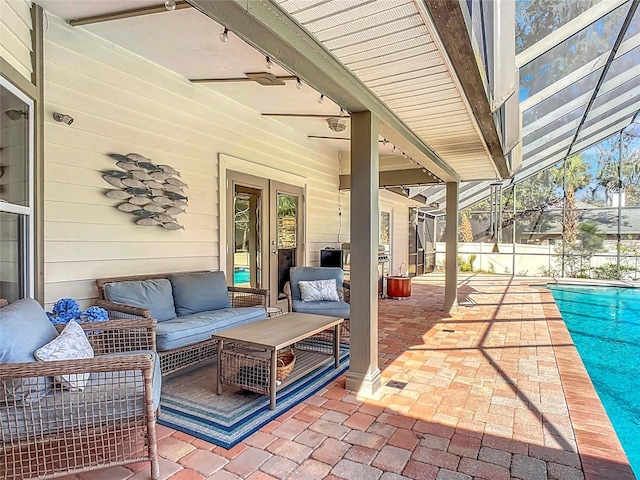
x=319, y=290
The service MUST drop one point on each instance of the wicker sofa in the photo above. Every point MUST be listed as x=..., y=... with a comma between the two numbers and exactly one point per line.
x=47, y=430
x=190, y=307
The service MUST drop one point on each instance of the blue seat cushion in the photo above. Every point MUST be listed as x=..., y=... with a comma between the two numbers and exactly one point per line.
x=108, y=396
x=199, y=292
x=332, y=309
x=154, y=295
x=307, y=274
x=198, y=327
x=24, y=328
x=112, y=379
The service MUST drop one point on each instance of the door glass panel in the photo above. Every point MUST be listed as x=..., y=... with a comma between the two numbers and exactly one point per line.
x=12, y=267
x=287, y=221
x=14, y=149
x=247, y=246
x=287, y=237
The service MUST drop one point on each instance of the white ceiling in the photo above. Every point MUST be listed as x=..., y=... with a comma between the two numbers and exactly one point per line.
x=407, y=73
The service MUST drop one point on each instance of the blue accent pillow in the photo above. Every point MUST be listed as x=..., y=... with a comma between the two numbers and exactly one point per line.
x=152, y=294
x=24, y=328
x=199, y=292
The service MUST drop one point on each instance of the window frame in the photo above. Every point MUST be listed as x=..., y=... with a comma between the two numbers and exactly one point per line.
x=26, y=212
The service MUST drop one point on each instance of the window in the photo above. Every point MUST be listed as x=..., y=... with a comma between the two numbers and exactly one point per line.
x=16, y=193
x=385, y=230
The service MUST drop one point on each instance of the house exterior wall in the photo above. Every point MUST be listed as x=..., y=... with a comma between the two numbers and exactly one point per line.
x=123, y=104
x=15, y=31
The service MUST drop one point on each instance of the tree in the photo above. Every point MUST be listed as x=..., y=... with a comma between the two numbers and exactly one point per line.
x=576, y=176
x=466, y=233
x=590, y=236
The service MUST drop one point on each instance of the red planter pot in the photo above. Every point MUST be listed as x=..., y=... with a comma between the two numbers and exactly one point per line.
x=399, y=287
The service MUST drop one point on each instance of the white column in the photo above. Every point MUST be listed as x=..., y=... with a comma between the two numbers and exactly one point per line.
x=451, y=239
x=364, y=375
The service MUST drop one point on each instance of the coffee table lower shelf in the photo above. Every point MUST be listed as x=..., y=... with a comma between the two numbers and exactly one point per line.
x=249, y=370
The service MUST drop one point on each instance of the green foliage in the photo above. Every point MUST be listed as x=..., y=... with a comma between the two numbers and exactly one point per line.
x=590, y=236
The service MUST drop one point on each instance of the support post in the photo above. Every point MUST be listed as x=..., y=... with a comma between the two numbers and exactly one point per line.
x=451, y=239
x=364, y=375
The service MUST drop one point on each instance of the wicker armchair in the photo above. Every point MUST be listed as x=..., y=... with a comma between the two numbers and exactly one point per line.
x=321, y=308
x=111, y=422
x=178, y=358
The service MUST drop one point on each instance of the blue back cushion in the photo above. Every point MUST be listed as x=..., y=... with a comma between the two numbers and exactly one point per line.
x=152, y=294
x=314, y=273
x=199, y=292
x=24, y=328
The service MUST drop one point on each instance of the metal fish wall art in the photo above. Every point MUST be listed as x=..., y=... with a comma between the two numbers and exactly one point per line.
x=116, y=182
x=152, y=207
x=176, y=182
x=172, y=226
x=119, y=194
x=147, y=222
x=128, y=166
x=128, y=207
x=132, y=182
x=152, y=193
x=140, y=200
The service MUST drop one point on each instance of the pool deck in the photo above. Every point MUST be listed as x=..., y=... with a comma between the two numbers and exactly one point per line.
x=496, y=391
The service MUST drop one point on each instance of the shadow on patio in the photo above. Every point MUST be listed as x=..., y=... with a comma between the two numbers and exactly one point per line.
x=495, y=391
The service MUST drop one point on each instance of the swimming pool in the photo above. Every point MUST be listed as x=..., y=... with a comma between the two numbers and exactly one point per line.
x=604, y=323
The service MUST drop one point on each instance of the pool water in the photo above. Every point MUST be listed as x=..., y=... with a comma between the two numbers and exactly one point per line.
x=604, y=323
x=241, y=275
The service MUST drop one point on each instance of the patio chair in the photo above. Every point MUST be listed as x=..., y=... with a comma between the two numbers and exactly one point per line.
x=332, y=308
x=62, y=417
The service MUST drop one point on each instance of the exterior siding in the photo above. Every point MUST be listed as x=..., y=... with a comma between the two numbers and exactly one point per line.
x=15, y=31
x=122, y=104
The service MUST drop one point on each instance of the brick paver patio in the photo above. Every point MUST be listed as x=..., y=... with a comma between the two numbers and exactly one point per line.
x=496, y=391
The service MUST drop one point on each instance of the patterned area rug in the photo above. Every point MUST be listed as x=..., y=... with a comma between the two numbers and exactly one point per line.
x=189, y=402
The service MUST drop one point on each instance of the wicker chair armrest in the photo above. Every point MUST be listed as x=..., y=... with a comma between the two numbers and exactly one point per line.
x=119, y=335
x=135, y=361
x=346, y=289
x=287, y=291
x=248, y=297
x=119, y=308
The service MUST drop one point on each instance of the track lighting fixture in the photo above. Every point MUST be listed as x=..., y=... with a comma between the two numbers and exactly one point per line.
x=385, y=141
x=269, y=63
x=342, y=112
x=321, y=98
x=224, y=36
x=170, y=5
x=298, y=83
x=63, y=117
x=393, y=149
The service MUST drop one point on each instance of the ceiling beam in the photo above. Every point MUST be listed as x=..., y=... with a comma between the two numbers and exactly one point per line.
x=134, y=12
x=449, y=21
x=267, y=28
x=396, y=178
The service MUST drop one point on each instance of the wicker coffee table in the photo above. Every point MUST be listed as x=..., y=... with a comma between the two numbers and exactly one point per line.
x=251, y=359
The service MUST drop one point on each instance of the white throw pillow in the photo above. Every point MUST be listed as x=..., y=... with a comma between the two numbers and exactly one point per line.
x=71, y=344
x=319, y=291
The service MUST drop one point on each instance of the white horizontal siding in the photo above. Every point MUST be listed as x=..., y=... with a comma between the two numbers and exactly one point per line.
x=15, y=32
x=123, y=104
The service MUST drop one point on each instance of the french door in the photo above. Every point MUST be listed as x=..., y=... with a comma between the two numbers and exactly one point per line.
x=265, y=227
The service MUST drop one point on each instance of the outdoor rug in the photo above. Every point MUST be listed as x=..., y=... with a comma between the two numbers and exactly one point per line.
x=189, y=402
